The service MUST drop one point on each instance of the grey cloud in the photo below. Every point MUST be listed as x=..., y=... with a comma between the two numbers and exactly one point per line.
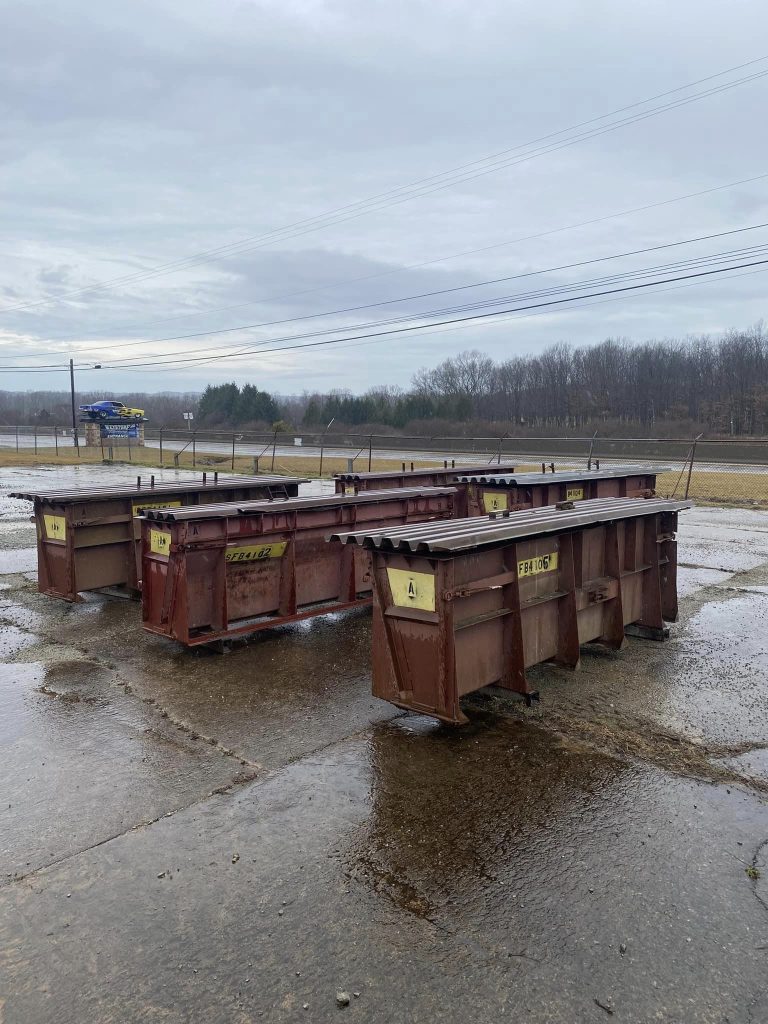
x=133, y=135
x=57, y=275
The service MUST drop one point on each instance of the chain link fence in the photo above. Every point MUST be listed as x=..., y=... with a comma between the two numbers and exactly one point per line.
x=717, y=471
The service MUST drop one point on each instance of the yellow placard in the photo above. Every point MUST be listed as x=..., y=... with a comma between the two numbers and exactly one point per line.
x=256, y=552
x=574, y=493
x=412, y=589
x=139, y=506
x=159, y=542
x=349, y=489
x=537, y=564
x=495, y=501
x=55, y=527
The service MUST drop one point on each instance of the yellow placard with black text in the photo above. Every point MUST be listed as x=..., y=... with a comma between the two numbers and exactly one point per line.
x=412, y=589
x=537, y=564
x=159, y=542
x=55, y=527
x=139, y=506
x=256, y=552
x=495, y=501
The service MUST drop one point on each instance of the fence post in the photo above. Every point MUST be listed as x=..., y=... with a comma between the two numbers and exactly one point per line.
x=56, y=438
x=17, y=437
x=35, y=433
x=370, y=451
x=274, y=446
x=503, y=437
x=233, y=451
x=591, y=448
x=194, y=448
x=161, y=446
x=690, y=464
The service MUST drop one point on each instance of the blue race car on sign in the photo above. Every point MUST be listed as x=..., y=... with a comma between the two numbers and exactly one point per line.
x=111, y=411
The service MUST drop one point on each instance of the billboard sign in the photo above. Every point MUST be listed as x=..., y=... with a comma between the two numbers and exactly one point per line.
x=120, y=430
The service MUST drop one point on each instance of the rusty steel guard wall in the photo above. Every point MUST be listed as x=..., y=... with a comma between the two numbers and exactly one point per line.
x=449, y=622
x=499, y=492
x=434, y=476
x=90, y=539
x=219, y=573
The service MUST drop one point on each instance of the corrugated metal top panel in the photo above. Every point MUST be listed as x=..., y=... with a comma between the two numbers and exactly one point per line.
x=230, y=483
x=224, y=510
x=561, y=476
x=505, y=467
x=462, y=534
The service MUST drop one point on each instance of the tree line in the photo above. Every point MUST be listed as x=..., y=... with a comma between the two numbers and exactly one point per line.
x=228, y=405
x=718, y=386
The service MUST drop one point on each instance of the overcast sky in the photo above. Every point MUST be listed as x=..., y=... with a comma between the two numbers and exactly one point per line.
x=134, y=135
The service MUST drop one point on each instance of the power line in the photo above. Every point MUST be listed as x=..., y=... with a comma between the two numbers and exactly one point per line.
x=413, y=266
x=464, y=322
x=464, y=287
x=420, y=315
x=454, y=289
x=418, y=327
x=501, y=320
x=392, y=197
x=550, y=290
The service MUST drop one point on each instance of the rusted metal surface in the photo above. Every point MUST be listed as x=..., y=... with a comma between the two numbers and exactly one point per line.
x=459, y=606
x=491, y=490
x=89, y=539
x=433, y=476
x=227, y=570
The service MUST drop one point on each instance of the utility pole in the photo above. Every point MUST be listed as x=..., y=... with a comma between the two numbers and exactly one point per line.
x=72, y=395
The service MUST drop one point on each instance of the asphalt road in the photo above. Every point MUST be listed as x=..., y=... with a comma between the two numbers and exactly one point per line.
x=522, y=456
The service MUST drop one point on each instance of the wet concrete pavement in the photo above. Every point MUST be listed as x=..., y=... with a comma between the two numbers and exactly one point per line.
x=187, y=837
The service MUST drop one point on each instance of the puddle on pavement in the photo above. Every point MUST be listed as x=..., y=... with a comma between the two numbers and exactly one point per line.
x=63, y=478
x=83, y=761
x=18, y=560
x=13, y=640
x=689, y=580
x=713, y=518
x=711, y=552
x=13, y=510
x=435, y=871
x=16, y=681
x=25, y=618
x=753, y=764
x=710, y=681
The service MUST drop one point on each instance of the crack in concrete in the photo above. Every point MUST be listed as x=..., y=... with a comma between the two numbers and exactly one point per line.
x=234, y=783
x=189, y=730
x=716, y=568
x=755, y=878
x=238, y=780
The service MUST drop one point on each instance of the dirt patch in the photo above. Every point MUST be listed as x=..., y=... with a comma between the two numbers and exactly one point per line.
x=633, y=738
